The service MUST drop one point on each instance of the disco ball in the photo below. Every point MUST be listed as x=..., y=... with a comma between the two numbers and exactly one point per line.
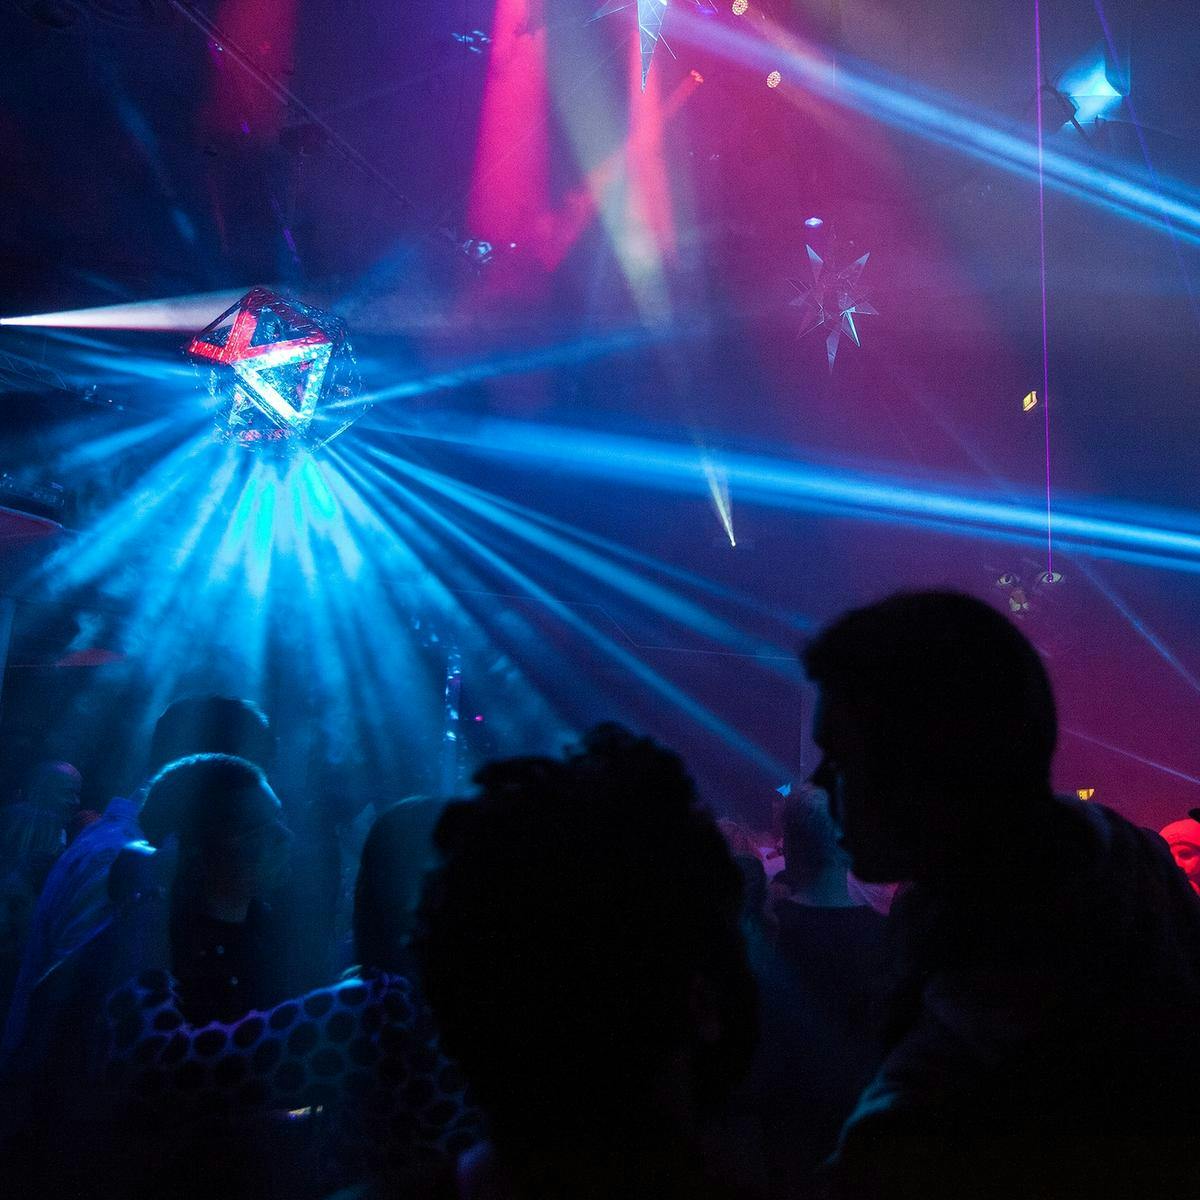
x=283, y=374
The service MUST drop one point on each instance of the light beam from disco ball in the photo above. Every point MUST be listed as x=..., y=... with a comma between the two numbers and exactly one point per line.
x=283, y=373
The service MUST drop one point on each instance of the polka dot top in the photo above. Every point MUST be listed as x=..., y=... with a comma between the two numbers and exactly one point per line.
x=364, y=1053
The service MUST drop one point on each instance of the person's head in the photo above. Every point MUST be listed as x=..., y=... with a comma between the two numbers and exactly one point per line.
x=810, y=838
x=232, y=839
x=580, y=943
x=395, y=857
x=54, y=787
x=203, y=725
x=934, y=713
x=1184, y=839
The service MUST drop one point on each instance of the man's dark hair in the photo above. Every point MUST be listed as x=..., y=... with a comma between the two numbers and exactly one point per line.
x=210, y=798
x=951, y=690
x=224, y=725
x=578, y=902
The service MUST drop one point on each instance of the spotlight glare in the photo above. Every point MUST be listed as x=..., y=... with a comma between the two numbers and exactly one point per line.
x=718, y=488
x=774, y=79
x=740, y=6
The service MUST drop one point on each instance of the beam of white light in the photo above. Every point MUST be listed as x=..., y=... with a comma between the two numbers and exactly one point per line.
x=183, y=314
x=1138, y=758
x=718, y=489
x=940, y=119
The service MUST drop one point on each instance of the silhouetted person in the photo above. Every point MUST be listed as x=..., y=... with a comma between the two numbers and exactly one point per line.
x=233, y=847
x=822, y=1000
x=834, y=940
x=1044, y=1032
x=206, y=922
x=581, y=950
x=75, y=903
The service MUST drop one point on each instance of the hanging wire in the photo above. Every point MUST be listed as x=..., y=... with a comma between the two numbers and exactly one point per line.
x=1041, y=176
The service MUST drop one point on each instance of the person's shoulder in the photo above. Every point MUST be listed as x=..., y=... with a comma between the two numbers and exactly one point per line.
x=1117, y=840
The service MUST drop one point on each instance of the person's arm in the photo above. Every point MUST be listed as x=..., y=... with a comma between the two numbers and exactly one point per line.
x=911, y=1132
x=258, y=1061
x=79, y=906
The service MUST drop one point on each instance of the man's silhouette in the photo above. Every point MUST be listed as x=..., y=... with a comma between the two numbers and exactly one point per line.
x=1044, y=1029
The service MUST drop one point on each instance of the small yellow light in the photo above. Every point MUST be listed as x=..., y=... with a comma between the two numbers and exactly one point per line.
x=1030, y=402
x=1086, y=793
x=740, y=6
x=774, y=79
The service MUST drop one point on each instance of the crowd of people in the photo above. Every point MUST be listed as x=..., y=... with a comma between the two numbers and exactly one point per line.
x=935, y=979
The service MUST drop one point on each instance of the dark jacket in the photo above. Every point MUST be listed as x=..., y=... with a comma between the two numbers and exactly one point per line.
x=1045, y=1033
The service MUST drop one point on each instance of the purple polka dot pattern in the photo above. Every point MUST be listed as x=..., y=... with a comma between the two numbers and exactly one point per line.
x=364, y=1048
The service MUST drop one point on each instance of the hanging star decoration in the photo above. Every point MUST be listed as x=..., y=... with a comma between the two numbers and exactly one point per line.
x=833, y=301
x=650, y=15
